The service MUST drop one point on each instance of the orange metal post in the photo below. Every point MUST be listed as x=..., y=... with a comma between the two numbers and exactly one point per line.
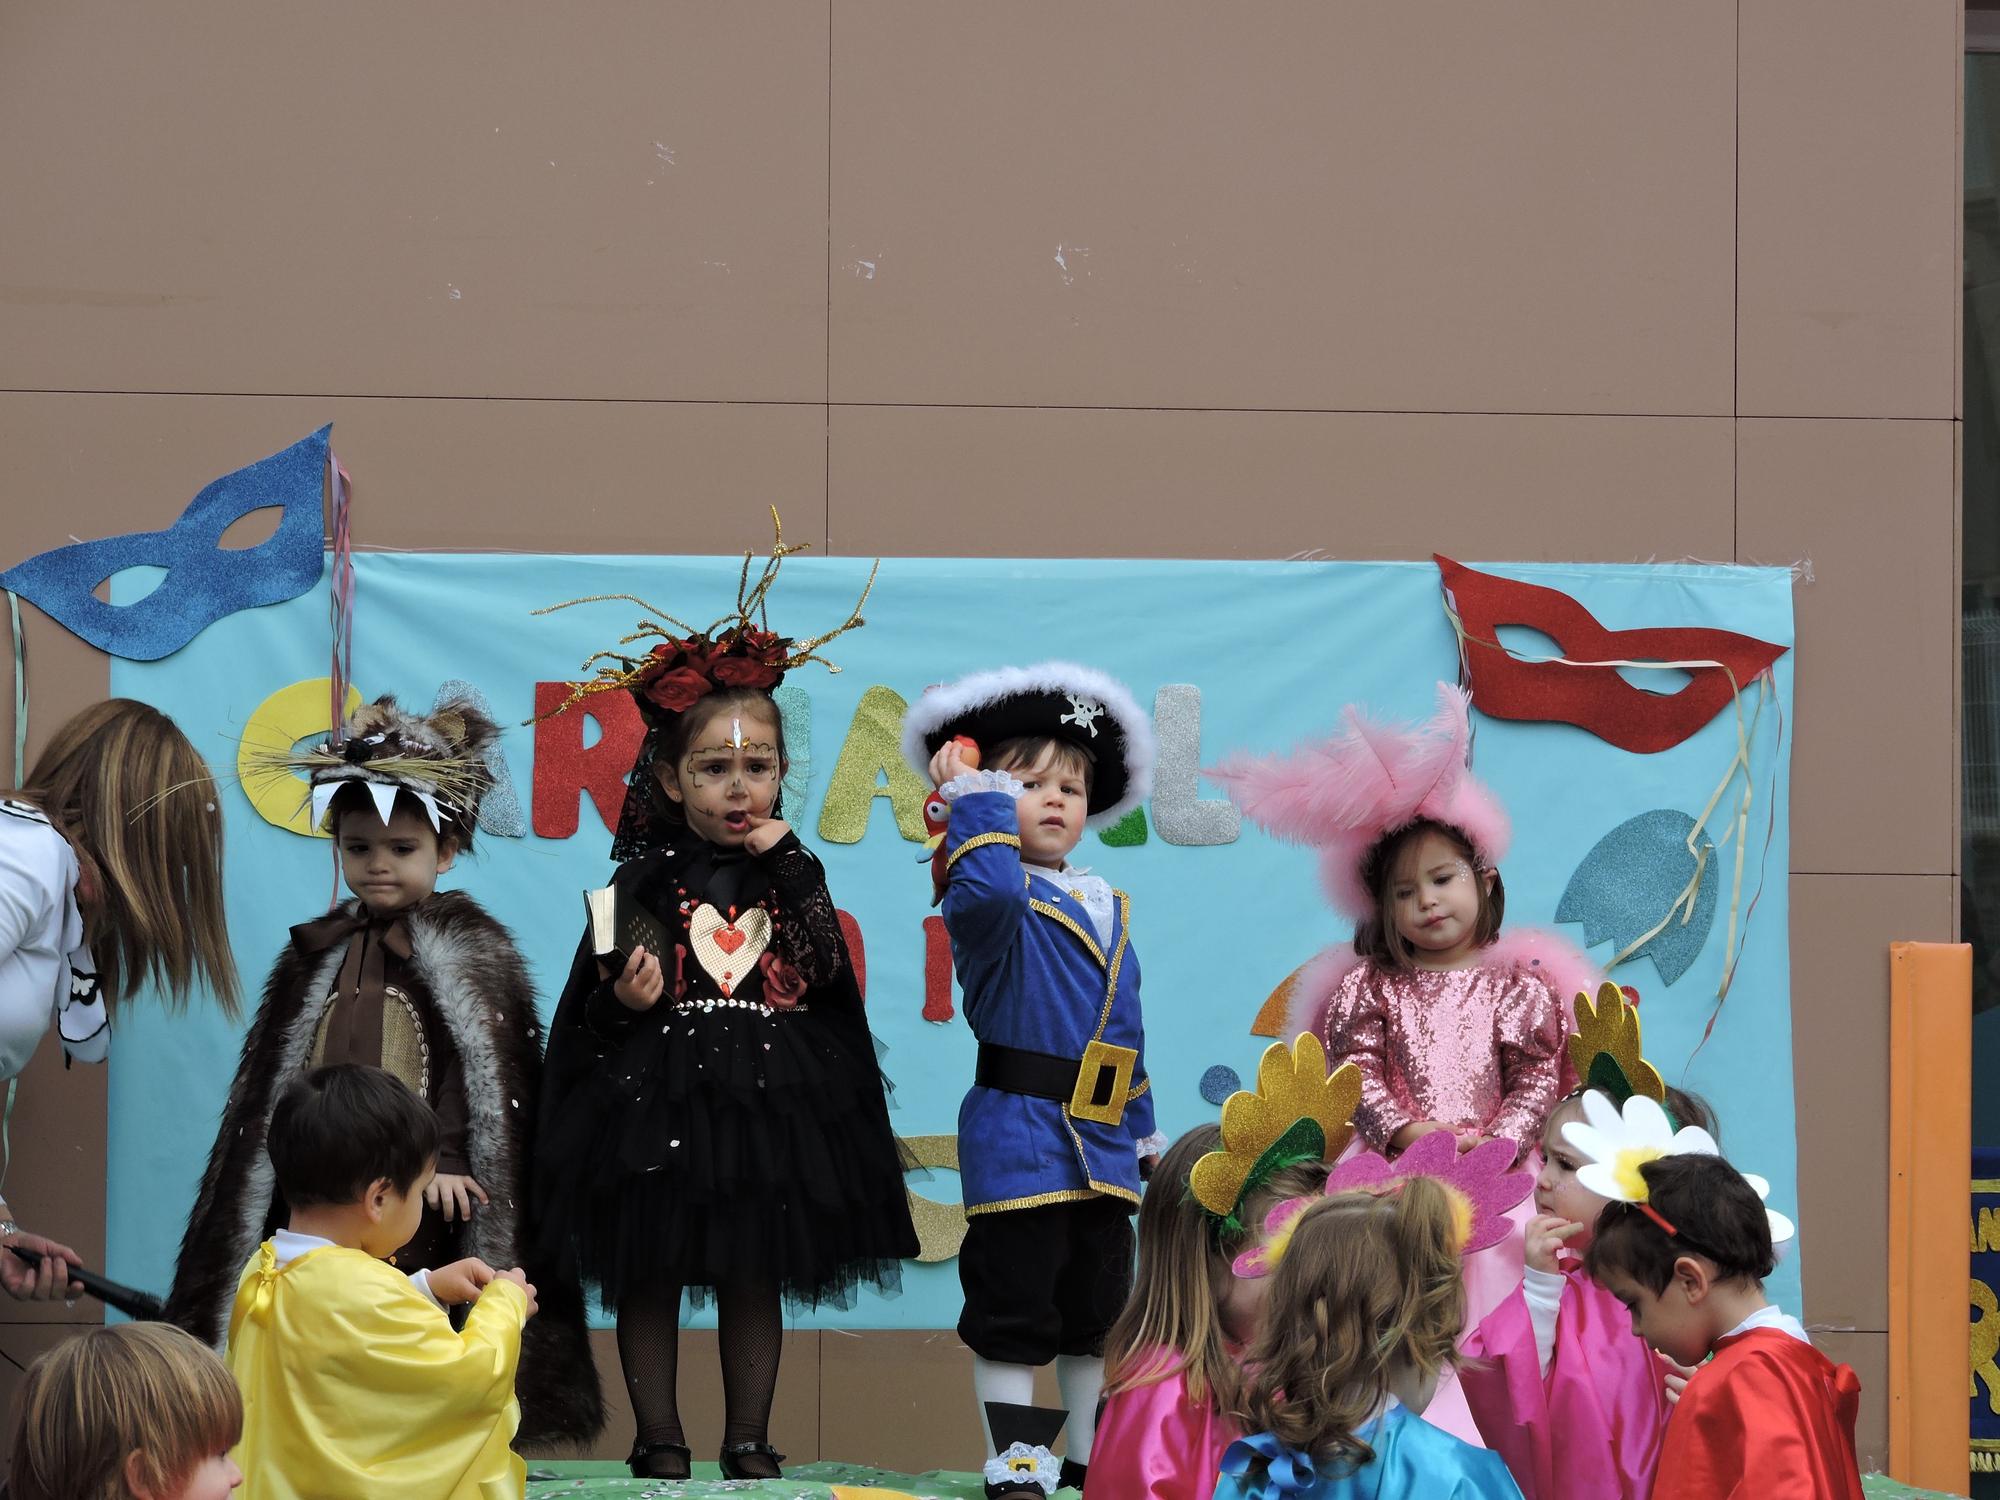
x=1930, y=1172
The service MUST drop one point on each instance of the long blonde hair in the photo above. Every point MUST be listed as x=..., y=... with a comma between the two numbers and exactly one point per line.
x=1173, y=1322
x=139, y=806
x=1370, y=1286
x=88, y=1405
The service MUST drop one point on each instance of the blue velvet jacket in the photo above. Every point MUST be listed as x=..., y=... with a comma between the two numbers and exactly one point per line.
x=1035, y=977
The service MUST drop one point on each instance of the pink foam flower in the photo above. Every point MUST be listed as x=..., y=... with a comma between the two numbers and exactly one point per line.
x=1482, y=1181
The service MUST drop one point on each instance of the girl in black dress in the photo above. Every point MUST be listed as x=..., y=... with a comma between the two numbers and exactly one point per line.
x=713, y=1116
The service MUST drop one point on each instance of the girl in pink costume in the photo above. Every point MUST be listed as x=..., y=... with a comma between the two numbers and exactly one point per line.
x=1453, y=1027
x=1561, y=1387
x=1172, y=1363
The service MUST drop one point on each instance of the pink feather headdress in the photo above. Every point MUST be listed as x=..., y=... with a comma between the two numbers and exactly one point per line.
x=1343, y=795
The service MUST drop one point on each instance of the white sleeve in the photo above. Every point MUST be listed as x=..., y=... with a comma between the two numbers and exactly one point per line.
x=1543, y=1291
x=421, y=1280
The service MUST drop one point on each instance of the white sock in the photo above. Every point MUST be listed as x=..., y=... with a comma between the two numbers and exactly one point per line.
x=1081, y=1377
x=1012, y=1384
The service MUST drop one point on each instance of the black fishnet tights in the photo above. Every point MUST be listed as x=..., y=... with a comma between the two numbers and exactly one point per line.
x=750, y=1330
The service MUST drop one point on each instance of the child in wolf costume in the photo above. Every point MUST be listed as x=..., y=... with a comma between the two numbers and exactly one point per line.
x=426, y=984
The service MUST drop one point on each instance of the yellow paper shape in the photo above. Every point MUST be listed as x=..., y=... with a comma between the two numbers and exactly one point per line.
x=1611, y=1027
x=1292, y=1085
x=940, y=1226
x=871, y=765
x=294, y=712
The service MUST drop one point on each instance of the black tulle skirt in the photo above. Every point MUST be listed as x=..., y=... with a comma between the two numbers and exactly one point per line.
x=724, y=1143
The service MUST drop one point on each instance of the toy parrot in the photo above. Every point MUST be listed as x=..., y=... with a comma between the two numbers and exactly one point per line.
x=937, y=813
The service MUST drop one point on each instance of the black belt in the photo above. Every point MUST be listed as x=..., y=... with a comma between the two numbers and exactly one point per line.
x=1015, y=1070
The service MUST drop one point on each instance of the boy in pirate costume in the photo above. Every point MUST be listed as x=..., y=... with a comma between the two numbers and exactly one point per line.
x=1054, y=1130
x=425, y=984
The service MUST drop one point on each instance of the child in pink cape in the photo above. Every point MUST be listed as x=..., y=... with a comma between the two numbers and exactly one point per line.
x=1173, y=1361
x=1560, y=1385
x=1454, y=1028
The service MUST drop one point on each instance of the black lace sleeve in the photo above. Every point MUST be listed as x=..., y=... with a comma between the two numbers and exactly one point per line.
x=808, y=930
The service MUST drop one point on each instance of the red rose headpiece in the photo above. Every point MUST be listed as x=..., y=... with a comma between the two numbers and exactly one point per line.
x=684, y=665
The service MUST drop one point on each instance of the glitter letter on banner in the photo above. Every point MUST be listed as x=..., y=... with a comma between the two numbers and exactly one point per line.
x=565, y=766
x=1128, y=832
x=795, y=721
x=1180, y=812
x=937, y=971
x=857, y=951
x=294, y=712
x=871, y=765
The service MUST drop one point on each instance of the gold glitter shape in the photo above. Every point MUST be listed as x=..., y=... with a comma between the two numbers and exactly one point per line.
x=1292, y=1085
x=940, y=1226
x=1610, y=1028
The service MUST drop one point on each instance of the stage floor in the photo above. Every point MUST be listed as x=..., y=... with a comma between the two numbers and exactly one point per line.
x=829, y=1481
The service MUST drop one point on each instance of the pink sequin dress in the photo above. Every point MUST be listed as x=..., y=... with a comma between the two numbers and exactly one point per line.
x=1476, y=1049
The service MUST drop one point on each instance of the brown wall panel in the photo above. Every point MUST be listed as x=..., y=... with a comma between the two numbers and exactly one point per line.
x=1842, y=926
x=1849, y=199
x=468, y=199
x=903, y=1399
x=1009, y=482
x=1873, y=506
x=545, y=476
x=1868, y=1353
x=1417, y=207
x=795, y=1413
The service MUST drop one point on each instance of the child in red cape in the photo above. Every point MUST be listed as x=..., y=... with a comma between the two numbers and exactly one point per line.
x=1768, y=1415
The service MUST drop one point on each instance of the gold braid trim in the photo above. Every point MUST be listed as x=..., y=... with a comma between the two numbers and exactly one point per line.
x=980, y=841
x=1055, y=913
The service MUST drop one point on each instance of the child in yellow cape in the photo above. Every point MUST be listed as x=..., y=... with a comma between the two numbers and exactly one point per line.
x=354, y=1382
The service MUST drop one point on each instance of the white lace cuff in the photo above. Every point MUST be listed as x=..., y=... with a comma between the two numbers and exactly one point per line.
x=1154, y=1144
x=967, y=782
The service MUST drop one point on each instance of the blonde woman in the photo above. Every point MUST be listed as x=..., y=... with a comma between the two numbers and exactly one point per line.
x=110, y=878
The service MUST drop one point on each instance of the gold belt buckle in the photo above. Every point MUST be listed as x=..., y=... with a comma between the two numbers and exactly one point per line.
x=1103, y=1079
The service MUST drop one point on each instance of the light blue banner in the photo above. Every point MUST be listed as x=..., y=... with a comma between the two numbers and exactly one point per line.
x=1275, y=651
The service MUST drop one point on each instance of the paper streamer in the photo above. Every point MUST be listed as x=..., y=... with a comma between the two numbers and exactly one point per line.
x=937, y=971
x=500, y=808
x=565, y=766
x=940, y=1226
x=205, y=580
x=871, y=765
x=20, y=691
x=1633, y=875
x=1180, y=812
x=294, y=712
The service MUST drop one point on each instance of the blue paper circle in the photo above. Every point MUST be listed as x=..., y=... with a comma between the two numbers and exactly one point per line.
x=1219, y=1082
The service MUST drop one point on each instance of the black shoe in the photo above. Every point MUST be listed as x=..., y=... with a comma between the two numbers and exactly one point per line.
x=660, y=1461
x=1072, y=1475
x=732, y=1468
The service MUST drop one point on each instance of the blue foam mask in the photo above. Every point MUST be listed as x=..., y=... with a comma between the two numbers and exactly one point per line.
x=204, y=581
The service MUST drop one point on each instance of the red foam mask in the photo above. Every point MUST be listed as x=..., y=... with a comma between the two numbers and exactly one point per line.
x=1594, y=698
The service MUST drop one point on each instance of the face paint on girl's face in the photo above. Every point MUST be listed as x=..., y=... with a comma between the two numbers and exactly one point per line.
x=724, y=781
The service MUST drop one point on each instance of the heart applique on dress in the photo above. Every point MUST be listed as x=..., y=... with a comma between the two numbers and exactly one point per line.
x=728, y=949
